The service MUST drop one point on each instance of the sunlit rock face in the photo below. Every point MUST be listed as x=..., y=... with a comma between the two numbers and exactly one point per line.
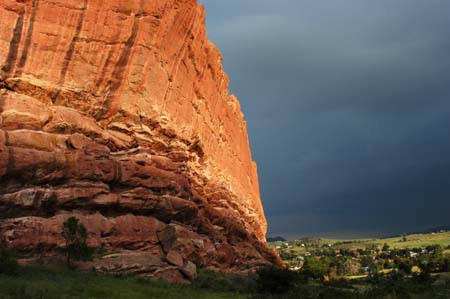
x=118, y=112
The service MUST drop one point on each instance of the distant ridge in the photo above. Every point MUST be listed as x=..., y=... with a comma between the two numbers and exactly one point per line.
x=436, y=229
x=276, y=239
x=430, y=230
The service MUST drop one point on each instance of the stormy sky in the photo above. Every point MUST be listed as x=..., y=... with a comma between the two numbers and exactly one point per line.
x=348, y=110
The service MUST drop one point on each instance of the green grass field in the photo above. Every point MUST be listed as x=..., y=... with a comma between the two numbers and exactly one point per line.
x=41, y=282
x=48, y=283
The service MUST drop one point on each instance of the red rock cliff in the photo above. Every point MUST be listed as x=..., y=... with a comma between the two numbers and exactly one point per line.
x=118, y=112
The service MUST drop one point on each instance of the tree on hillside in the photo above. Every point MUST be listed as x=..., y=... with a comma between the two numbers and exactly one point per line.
x=316, y=267
x=8, y=262
x=75, y=234
x=348, y=266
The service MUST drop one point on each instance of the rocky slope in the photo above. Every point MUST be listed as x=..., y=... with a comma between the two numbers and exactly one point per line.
x=118, y=112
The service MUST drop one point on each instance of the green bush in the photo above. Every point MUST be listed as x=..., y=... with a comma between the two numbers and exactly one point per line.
x=75, y=234
x=8, y=262
x=275, y=280
x=316, y=267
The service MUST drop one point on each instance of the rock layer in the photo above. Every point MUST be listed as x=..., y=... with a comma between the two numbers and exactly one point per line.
x=118, y=112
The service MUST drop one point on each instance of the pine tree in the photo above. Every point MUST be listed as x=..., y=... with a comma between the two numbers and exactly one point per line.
x=75, y=234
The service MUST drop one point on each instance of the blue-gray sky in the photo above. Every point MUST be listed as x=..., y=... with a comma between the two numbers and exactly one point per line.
x=348, y=109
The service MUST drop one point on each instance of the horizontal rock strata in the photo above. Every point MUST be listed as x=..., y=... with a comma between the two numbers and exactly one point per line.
x=118, y=112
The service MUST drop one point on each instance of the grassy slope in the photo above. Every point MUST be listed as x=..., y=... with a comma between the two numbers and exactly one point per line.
x=420, y=240
x=415, y=240
x=39, y=282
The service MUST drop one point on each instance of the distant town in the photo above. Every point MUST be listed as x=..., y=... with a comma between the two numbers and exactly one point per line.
x=427, y=253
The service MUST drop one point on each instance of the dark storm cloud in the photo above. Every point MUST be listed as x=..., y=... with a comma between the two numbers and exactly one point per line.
x=348, y=109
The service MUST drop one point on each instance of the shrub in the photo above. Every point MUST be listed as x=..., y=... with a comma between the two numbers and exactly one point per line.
x=316, y=268
x=75, y=234
x=8, y=262
x=404, y=266
x=275, y=280
x=423, y=277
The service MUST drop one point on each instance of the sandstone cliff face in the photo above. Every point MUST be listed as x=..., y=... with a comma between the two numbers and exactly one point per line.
x=118, y=112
